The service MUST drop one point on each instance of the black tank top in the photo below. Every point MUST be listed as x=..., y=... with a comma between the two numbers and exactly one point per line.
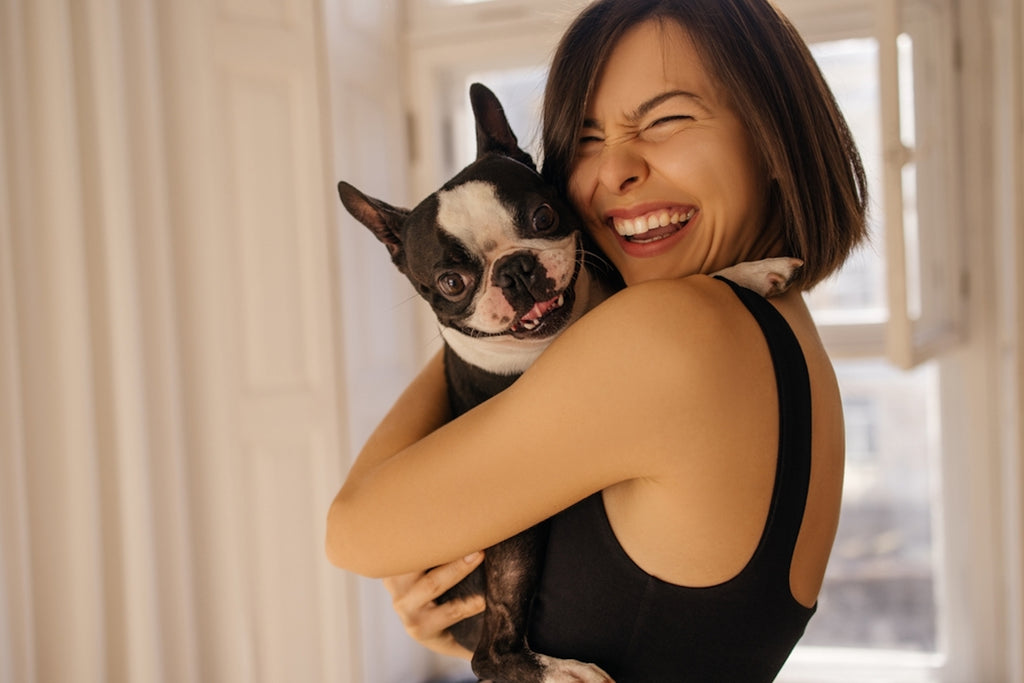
x=595, y=604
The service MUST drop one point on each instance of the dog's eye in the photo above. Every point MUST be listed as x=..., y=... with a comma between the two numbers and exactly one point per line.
x=545, y=219
x=451, y=285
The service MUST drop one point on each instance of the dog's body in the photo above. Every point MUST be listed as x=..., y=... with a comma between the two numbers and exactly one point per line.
x=500, y=258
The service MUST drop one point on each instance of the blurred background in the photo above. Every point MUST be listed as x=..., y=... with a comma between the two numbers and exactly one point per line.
x=195, y=338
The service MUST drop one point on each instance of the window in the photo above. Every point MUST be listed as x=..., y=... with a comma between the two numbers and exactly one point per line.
x=892, y=607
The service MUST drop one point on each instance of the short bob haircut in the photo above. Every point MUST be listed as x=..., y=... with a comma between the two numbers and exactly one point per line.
x=819, y=192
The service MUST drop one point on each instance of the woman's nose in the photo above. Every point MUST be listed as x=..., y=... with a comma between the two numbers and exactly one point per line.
x=621, y=168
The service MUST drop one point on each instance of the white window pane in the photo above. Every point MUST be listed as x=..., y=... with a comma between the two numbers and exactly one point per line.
x=879, y=590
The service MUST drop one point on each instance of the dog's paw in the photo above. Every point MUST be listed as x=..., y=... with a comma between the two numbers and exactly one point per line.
x=571, y=671
x=769, y=277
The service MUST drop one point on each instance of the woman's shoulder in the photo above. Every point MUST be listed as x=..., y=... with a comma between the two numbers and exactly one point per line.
x=661, y=335
x=697, y=311
x=697, y=295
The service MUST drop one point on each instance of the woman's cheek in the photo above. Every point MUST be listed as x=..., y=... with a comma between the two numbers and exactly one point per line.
x=579, y=195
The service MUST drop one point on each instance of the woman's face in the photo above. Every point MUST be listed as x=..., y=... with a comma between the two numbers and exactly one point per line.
x=667, y=177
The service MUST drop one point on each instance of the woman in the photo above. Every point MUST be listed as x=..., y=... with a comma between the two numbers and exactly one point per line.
x=685, y=438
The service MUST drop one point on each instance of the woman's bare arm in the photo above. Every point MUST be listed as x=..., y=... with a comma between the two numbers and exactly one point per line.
x=422, y=408
x=605, y=403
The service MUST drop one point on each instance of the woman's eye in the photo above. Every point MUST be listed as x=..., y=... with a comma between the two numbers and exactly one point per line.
x=669, y=119
x=452, y=285
x=589, y=146
x=664, y=127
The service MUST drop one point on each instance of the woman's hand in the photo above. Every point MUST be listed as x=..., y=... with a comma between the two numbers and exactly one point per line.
x=413, y=595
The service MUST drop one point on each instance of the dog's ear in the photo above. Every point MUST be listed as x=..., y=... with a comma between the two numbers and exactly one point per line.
x=493, y=134
x=383, y=220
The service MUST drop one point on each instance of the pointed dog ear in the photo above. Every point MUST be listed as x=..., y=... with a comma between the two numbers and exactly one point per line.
x=493, y=134
x=383, y=220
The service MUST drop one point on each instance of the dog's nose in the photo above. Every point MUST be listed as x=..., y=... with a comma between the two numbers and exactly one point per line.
x=522, y=278
x=515, y=270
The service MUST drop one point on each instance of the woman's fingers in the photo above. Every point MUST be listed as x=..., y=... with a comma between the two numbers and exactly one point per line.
x=427, y=622
x=417, y=588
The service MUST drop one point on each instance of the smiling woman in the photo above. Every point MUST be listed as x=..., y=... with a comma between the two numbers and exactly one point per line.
x=898, y=457
x=706, y=486
x=686, y=129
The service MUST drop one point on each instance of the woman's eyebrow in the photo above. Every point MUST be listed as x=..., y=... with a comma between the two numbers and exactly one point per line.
x=646, y=106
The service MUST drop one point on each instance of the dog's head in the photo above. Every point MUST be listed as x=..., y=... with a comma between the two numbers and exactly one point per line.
x=495, y=252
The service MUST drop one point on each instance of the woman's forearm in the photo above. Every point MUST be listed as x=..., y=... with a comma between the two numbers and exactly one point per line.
x=422, y=408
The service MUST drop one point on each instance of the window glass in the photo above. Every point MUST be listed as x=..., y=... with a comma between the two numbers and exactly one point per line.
x=879, y=590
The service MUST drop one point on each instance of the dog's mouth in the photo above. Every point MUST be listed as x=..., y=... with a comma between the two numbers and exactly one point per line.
x=537, y=317
x=549, y=317
x=546, y=318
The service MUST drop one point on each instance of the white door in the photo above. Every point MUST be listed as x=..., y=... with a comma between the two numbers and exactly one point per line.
x=251, y=158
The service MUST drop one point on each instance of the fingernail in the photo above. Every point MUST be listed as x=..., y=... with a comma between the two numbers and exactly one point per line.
x=472, y=557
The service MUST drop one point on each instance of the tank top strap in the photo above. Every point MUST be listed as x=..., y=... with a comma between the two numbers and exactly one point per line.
x=793, y=470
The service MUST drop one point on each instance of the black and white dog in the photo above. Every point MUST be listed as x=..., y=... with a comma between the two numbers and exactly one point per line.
x=501, y=259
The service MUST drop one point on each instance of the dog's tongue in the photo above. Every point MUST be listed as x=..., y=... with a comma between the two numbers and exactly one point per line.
x=539, y=310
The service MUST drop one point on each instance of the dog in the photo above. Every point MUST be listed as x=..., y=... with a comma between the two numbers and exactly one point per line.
x=505, y=264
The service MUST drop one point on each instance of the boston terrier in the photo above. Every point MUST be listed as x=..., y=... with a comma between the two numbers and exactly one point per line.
x=505, y=265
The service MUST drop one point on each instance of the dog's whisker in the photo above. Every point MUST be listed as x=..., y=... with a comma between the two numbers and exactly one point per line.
x=431, y=341
x=596, y=260
x=404, y=302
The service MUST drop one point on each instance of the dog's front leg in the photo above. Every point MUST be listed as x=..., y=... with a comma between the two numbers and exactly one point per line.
x=768, y=277
x=502, y=654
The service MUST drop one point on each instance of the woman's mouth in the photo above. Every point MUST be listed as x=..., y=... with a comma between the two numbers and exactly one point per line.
x=653, y=226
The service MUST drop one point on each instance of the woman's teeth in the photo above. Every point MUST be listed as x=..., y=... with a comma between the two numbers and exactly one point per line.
x=631, y=227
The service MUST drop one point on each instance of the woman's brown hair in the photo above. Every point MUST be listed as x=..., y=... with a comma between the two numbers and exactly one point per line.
x=765, y=68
